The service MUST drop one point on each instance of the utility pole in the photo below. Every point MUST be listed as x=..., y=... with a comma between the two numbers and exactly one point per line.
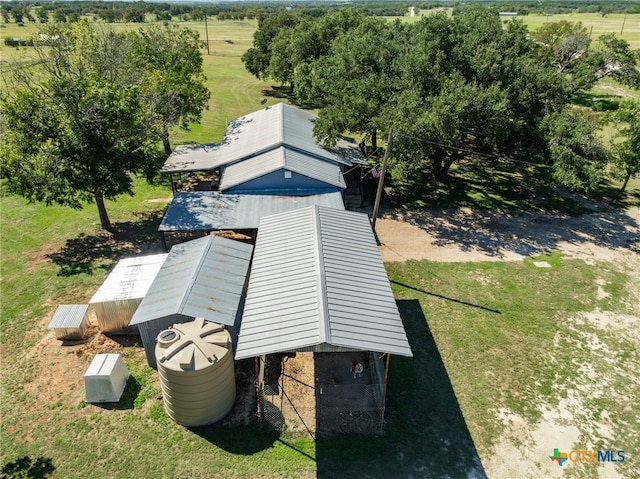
x=381, y=181
x=206, y=29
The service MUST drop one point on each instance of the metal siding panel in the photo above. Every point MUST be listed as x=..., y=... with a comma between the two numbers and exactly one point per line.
x=266, y=171
x=149, y=333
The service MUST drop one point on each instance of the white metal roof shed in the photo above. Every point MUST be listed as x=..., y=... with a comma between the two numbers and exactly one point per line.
x=259, y=132
x=117, y=299
x=281, y=159
x=317, y=279
x=131, y=278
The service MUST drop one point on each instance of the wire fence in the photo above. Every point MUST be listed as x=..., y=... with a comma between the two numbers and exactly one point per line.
x=325, y=408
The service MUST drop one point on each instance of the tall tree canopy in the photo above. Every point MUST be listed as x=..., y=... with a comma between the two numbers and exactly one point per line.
x=448, y=86
x=567, y=46
x=626, y=143
x=169, y=63
x=356, y=81
x=85, y=116
x=258, y=58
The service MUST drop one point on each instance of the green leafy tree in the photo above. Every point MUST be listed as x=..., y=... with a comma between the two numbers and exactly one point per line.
x=171, y=75
x=562, y=43
x=75, y=127
x=626, y=143
x=258, y=58
x=450, y=87
x=59, y=15
x=42, y=14
x=356, y=81
x=576, y=153
x=310, y=39
x=567, y=46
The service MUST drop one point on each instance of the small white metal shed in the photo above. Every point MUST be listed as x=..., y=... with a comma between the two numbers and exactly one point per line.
x=70, y=321
x=105, y=379
x=122, y=292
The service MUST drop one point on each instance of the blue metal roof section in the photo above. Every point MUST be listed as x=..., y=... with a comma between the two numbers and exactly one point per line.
x=259, y=132
x=283, y=169
x=317, y=279
x=200, y=278
x=210, y=210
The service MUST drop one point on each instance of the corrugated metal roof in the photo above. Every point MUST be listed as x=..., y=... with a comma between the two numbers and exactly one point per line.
x=210, y=210
x=281, y=159
x=257, y=133
x=190, y=158
x=317, y=277
x=68, y=316
x=131, y=278
x=200, y=278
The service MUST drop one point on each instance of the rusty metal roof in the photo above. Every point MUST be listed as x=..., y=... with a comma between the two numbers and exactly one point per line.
x=200, y=278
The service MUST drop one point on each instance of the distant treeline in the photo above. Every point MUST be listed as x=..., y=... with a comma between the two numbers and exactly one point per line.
x=60, y=11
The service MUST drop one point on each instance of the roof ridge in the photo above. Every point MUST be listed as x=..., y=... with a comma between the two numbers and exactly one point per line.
x=324, y=332
x=194, y=276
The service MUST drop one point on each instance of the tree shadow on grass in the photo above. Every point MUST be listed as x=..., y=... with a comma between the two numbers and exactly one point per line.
x=425, y=433
x=82, y=255
x=596, y=101
x=27, y=467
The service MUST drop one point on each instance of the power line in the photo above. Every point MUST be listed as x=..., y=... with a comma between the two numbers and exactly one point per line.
x=488, y=155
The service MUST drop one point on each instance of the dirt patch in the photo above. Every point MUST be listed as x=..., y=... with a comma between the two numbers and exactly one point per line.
x=290, y=392
x=62, y=365
x=464, y=235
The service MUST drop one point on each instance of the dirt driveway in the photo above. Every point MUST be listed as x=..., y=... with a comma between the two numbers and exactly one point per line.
x=606, y=235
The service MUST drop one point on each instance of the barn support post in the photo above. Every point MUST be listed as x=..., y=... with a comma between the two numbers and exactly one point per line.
x=163, y=241
x=376, y=205
x=259, y=366
x=384, y=391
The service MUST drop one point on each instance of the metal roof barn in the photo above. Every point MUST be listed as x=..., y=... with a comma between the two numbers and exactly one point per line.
x=70, y=321
x=259, y=132
x=200, y=278
x=119, y=296
x=282, y=171
x=210, y=211
x=317, y=281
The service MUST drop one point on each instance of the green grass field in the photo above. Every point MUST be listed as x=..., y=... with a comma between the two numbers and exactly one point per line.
x=483, y=337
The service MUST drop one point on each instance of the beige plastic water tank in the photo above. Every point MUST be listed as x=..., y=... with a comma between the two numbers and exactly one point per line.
x=195, y=363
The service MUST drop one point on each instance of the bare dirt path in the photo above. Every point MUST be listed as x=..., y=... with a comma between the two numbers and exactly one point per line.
x=465, y=235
